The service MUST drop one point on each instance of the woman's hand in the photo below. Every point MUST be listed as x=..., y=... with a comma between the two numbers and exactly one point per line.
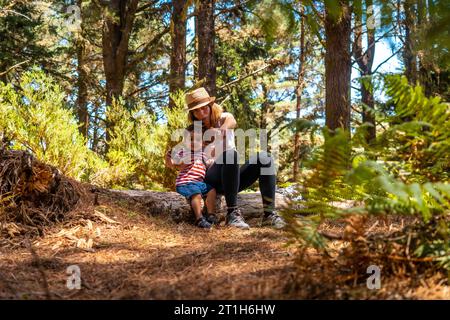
x=209, y=163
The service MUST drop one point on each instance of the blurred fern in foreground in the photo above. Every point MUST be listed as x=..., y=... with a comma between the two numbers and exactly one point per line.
x=404, y=172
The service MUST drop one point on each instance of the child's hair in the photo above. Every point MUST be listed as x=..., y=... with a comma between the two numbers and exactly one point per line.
x=190, y=129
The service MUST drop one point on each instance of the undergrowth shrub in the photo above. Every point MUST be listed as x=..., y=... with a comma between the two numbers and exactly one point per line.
x=35, y=117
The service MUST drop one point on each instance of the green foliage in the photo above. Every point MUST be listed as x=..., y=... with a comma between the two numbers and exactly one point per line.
x=385, y=194
x=232, y=57
x=20, y=27
x=420, y=130
x=34, y=117
x=138, y=145
x=342, y=172
x=275, y=18
x=329, y=165
x=122, y=146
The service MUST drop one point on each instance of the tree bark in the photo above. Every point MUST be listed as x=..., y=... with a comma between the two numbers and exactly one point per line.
x=409, y=54
x=365, y=63
x=264, y=106
x=178, y=55
x=298, y=92
x=367, y=113
x=338, y=68
x=96, y=127
x=206, y=45
x=424, y=67
x=117, y=27
x=82, y=110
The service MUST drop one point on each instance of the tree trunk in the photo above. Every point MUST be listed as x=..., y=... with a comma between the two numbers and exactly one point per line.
x=264, y=106
x=178, y=54
x=424, y=67
x=338, y=68
x=195, y=60
x=409, y=55
x=365, y=63
x=117, y=27
x=206, y=47
x=367, y=114
x=82, y=111
x=96, y=127
x=298, y=92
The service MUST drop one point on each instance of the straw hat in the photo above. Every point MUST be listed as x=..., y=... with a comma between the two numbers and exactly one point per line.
x=198, y=98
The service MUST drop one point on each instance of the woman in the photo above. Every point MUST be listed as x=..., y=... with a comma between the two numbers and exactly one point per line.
x=225, y=175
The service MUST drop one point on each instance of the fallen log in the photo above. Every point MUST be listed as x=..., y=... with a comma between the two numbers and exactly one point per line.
x=177, y=207
x=34, y=195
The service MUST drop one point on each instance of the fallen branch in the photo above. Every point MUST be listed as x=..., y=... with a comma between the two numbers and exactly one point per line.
x=13, y=67
x=272, y=63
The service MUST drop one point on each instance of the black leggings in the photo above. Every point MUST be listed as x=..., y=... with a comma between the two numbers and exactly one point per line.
x=228, y=178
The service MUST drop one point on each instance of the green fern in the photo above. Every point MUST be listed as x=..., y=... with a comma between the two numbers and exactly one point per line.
x=419, y=131
x=404, y=172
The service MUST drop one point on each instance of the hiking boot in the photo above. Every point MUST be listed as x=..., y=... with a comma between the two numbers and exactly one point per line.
x=273, y=220
x=212, y=218
x=235, y=219
x=202, y=223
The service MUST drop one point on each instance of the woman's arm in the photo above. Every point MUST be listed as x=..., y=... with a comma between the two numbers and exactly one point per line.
x=228, y=121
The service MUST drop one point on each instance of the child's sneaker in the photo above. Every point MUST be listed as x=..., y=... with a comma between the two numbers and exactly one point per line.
x=203, y=223
x=212, y=218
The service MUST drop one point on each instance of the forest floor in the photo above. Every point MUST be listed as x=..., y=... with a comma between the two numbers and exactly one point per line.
x=123, y=253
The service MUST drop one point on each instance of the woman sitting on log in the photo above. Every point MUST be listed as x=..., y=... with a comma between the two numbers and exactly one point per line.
x=225, y=174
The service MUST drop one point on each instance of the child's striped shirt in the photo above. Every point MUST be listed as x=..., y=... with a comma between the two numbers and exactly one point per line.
x=195, y=169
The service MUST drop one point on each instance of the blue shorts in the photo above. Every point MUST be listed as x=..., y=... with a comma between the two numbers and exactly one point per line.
x=192, y=188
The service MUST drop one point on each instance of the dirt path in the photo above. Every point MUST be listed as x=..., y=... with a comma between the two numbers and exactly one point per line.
x=122, y=253
x=141, y=257
x=126, y=246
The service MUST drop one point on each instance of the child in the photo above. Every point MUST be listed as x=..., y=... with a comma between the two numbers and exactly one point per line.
x=192, y=163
